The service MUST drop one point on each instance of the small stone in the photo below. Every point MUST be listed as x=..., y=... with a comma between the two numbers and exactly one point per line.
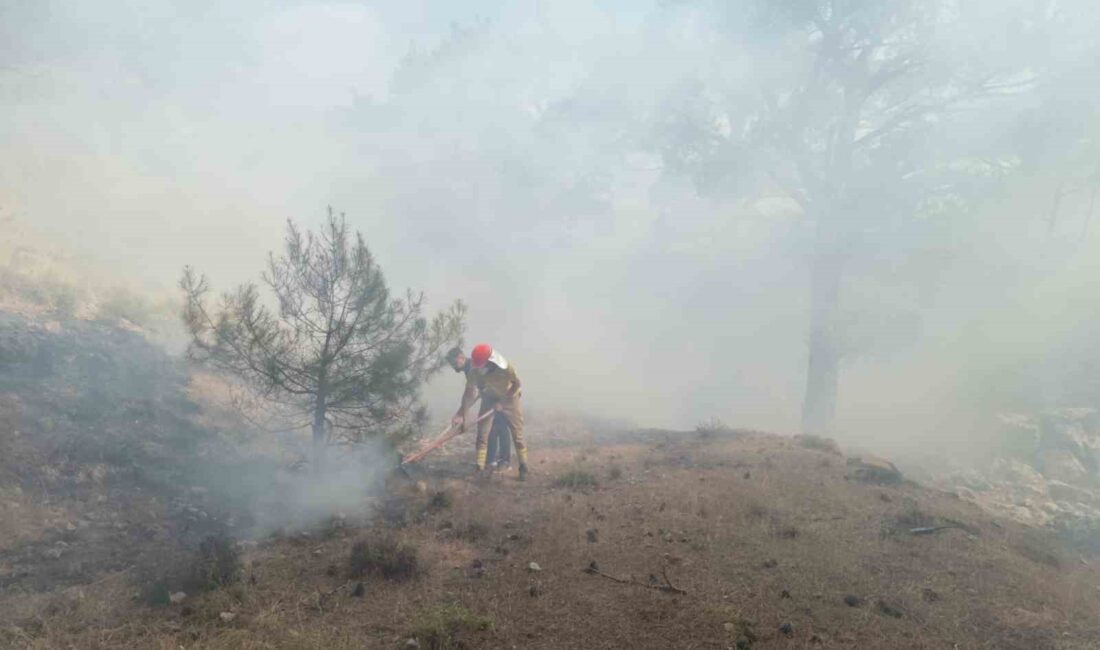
x=227, y=616
x=412, y=643
x=771, y=563
x=786, y=629
x=534, y=567
x=785, y=594
x=177, y=597
x=728, y=627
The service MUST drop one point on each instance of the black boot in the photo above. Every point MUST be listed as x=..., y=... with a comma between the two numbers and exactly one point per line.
x=523, y=471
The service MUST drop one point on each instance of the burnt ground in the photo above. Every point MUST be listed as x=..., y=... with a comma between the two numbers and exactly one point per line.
x=739, y=540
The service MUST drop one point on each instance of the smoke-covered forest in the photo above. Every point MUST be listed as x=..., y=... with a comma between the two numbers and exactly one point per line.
x=783, y=311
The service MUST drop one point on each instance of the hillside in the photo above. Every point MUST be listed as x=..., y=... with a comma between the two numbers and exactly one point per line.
x=719, y=539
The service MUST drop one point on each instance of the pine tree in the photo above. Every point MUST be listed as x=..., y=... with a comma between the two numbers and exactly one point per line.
x=335, y=346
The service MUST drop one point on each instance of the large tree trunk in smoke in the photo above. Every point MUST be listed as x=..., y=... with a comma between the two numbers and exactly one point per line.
x=823, y=372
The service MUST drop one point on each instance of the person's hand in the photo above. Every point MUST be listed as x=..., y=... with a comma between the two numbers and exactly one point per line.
x=498, y=407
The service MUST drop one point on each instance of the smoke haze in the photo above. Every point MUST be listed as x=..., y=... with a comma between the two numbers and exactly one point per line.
x=510, y=154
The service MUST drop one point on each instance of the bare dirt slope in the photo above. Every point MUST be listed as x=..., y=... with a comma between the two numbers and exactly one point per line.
x=734, y=540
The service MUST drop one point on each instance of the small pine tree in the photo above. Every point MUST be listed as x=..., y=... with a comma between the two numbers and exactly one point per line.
x=335, y=346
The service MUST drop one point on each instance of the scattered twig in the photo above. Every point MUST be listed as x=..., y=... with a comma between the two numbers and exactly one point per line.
x=321, y=596
x=668, y=587
x=928, y=530
x=668, y=584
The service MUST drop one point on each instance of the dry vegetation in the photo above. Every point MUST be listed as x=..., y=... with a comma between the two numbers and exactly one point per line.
x=40, y=279
x=773, y=546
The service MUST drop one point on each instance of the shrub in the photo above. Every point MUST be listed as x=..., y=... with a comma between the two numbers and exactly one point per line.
x=440, y=500
x=216, y=564
x=446, y=627
x=385, y=557
x=471, y=531
x=712, y=427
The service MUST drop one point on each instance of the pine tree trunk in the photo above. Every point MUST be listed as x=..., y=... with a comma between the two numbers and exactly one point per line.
x=819, y=403
x=319, y=442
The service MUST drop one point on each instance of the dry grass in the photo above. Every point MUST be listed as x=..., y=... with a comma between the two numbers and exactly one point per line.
x=24, y=519
x=576, y=479
x=724, y=539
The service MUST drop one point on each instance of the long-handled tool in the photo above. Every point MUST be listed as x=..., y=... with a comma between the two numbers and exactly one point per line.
x=450, y=432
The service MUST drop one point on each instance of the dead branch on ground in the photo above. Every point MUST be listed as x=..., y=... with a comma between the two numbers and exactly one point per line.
x=668, y=587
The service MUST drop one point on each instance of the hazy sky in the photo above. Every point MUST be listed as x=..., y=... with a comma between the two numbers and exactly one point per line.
x=497, y=165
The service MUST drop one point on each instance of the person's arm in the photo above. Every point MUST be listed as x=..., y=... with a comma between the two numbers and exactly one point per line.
x=469, y=394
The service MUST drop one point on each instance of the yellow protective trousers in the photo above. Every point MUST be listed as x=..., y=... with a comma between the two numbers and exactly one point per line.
x=511, y=411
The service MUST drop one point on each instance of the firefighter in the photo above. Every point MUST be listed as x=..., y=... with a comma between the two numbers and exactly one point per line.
x=496, y=379
x=500, y=449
